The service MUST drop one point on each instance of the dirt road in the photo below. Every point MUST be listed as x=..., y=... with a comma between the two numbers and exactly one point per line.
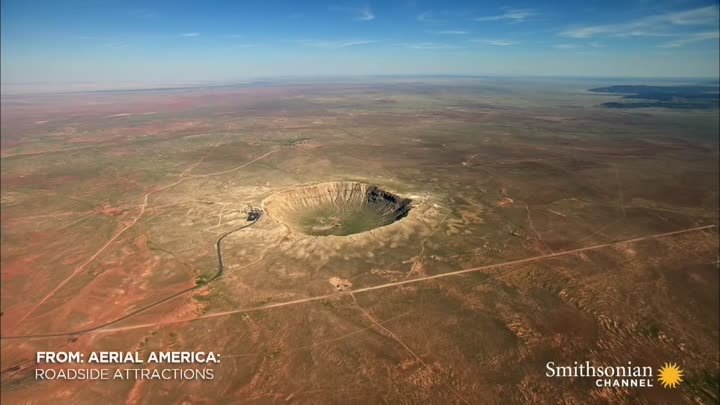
x=105, y=329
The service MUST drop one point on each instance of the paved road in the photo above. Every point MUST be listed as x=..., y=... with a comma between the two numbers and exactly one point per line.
x=143, y=206
x=218, y=274
x=106, y=329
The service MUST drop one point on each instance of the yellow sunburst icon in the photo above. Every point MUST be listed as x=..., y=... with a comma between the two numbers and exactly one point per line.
x=670, y=375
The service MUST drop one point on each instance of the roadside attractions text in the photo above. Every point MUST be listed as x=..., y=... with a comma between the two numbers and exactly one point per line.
x=46, y=370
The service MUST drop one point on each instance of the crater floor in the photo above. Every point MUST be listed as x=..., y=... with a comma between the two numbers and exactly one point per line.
x=336, y=208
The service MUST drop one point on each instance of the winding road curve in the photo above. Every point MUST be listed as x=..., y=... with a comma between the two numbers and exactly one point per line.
x=218, y=274
x=143, y=206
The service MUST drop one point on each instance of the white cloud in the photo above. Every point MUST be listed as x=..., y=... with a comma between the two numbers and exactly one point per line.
x=430, y=46
x=697, y=37
x=365, y=14
x=428, y=17
x=698, y=16
x=565, y=46
x=495, y=42
x=359, y=14
x=654, y=25
x=515, y=15
x=190, y=34
x=333, y=44
x=450, y=32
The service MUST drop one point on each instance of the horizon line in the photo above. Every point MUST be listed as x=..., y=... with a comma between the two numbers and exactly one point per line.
x=116, y=86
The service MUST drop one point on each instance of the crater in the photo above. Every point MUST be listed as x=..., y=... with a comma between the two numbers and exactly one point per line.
x=336, y=208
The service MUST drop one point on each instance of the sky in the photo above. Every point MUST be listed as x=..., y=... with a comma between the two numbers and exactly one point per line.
x=155, y=42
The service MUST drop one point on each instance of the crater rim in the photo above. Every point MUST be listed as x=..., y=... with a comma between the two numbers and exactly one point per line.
x=336, y=208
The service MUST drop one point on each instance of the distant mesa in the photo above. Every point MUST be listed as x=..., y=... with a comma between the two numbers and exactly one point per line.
x=336, y=208
x=674, y=97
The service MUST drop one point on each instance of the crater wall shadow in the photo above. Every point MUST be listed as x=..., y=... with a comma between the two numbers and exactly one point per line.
x=336, y=208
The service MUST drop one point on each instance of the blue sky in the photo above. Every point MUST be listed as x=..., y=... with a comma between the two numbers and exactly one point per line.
x=107, y=41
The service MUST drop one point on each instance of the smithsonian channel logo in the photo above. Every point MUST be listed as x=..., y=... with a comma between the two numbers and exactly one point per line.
x=628, y=376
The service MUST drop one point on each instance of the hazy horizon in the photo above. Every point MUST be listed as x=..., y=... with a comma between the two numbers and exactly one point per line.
x=11, y=89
